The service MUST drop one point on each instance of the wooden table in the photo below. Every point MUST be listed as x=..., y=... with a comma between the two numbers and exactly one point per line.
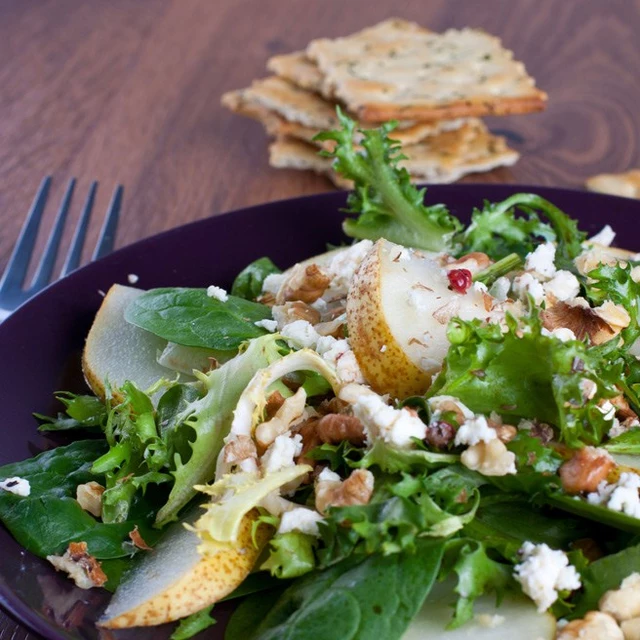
x=128, y=92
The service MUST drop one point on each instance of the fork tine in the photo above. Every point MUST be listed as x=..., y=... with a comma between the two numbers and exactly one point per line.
x=108, y=232
x=48, y=260
x=75, y=250
x=19, y=262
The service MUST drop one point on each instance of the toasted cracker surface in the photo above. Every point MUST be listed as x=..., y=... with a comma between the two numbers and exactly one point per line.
x=625, y=184
x=398, y=70
x=298, y=69
x=439, y=159
x=288, y=111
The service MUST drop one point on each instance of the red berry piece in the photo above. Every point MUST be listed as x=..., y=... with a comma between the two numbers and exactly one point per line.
x=460, y=279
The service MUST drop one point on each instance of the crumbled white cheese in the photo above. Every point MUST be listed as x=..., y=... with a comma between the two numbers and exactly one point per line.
x=19, y=486
x=269, y=325
x=489, y=621
x=605, y=236
x=475, y=430
x=541, y=260
x=218, y=293
x=527, y=284
x=394, y=426
x=589, y=388
x=301, y=333
x=563, y=286
x=621, y=496
x=326, y=475
x=300, y=519
x=617, y=429
x=479, y=287
x=344, y=265
x=132, y=278
x=338, y=354
x=500, y=288
x=561, y=333
x=543, y=572
x=281, y=453
x=439, y=404
x=607, y=410
x=272, y=283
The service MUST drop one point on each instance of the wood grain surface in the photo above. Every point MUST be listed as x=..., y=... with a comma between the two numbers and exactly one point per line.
x=128, y=92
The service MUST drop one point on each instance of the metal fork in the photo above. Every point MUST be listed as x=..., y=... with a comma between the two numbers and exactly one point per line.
x=12, y=292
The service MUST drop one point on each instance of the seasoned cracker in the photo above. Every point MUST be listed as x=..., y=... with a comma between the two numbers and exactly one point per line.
x=439, y=159
x=288, y=111
x=297, y=69
x=625, y=184
x=398, y=70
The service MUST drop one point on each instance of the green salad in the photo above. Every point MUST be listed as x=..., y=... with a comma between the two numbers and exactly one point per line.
x=431, y=432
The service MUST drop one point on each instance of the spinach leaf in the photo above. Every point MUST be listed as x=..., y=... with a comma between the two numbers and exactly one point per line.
x=192, y=318
x=352, y=600
x=193, y=624
x=248, y=283
x=602, y=575
x=250, y=613
x=49, y=518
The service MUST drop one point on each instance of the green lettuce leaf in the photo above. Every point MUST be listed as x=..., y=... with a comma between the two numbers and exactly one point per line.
x=193, y=624
x=291, y=555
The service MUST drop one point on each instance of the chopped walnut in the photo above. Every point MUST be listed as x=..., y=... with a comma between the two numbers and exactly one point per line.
x=585, y=470
x=297, y=310
x=333, y=405
x=594, y=626
x=274, y=402
x=615, y=315
x=355, y=490
x=89, y=497
x=82, y=568
x=623, y=410
x=334, y=328
x=338, y=427
x=239, y=451
x=305, y=283
x=583, y=321
x=589, y=547
x=631, y=629
x=474, y=262
x=138, y=540
x=505, y=432
x=288, y=414
x=623, y=603
x=489, y=458
x=440, y=434
x=310, y=440
x=267, y=299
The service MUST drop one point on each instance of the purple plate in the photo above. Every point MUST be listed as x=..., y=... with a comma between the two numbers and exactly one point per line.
x=41, y=344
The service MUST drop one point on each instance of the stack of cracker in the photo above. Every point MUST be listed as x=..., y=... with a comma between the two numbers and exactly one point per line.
x=435, y=85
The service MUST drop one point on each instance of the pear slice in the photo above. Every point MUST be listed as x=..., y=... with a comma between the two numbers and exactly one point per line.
x=398, y=308
x=515, y=619
x=116, y=351
x=174, y=580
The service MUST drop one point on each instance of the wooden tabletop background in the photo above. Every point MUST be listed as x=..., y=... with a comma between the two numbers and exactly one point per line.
x=127, y=92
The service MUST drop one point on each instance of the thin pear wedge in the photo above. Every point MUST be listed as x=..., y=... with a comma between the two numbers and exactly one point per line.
x=398, y=308
x=174, y=580
x=116, y=351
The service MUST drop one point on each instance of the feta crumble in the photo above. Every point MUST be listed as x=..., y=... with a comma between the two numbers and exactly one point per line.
x=301, y=333
x=269, y=325
x=281, y=454
x=300, y=519
x=475, y=430
x=132, y=278
x=544, y=572
x=563, y=286
x=527, y=284
x=20, y=486
x=344, y=265
x=500, y=288
x=395, y=426
x=218, y=293
x=326, y=475
x=338, y=354
x=561, y=333
x=541, y=260
x=621, y=496
x=272, y=283
x=605, y=236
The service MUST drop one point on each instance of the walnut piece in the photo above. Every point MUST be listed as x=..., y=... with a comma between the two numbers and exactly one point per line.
x=288, y=414
x=489, y=458
x=585, y=470
x=82, y=568
x=138, y=540
x=305, y=283
x=89, y=497
x=334, y=428
x=355, y=490
x=274, y=402
x=594, y=626
x=623, y=603
x=475, y=262
x=297, y=310
x=631, y=629
x=583, y=321
x=239, y=451
x=310, y=440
